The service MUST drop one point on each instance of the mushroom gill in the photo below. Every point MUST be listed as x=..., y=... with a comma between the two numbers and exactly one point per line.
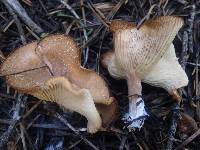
x=50, y=69
x=146, y=54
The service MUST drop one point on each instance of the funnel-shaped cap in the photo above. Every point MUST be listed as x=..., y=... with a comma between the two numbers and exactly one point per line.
x=139, y=49
x=167, y=73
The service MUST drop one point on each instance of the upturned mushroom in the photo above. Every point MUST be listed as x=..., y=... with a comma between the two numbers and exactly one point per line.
x=148, y=55
x=50, y=69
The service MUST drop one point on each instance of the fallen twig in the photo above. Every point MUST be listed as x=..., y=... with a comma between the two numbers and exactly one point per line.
x=190, y=23
x=172, y=130
x=16, y=6
x=19, y=26
x=16, y=117
x=188, y=140
x=184, y=56
x=86, y=52
x=109, y=17
x=57, y=115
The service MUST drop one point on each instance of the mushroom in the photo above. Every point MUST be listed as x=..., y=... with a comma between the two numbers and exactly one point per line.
x=50, y=69
x=108, y=113
x=148, y=55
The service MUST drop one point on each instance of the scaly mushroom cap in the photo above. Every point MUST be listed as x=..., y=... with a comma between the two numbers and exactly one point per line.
x=139, y=49
x=117, y=25
x=21, y=60
x=30, y=68
x=58, y=53
x=61, y=56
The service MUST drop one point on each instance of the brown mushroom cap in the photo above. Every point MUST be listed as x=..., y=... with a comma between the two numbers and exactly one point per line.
x=61, y=56
x=55, y=49
x=117, y=25
x=30, y=69
x=62, y=52
x=21, y=60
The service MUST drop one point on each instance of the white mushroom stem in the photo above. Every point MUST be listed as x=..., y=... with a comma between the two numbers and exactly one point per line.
x=137, y=114
x=134, y=92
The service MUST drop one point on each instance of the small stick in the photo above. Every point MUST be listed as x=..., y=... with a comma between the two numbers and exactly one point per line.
x=85, y=35
x=172, y=130
x=184, y=56
x=25, y=134
x=188, y=38
x=70, y=9
x=97, y=14
x=190, y=22
x=22, y=137
x=2, y=57
x=32, y=33
x=82, y=24
x=73, y=145
x=32, y=109
x=8, y=25
x=16, y=6
x=188, y=140
x=15, y=73
x=109, y=17
x=16, y=117
x=62, y=119
x=123, y=142
x=100, y=48
x=146, y=17
x=18, y=23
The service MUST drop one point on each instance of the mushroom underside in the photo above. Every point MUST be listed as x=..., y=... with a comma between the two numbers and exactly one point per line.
x=167, y=73
x=61, y=91
x=139, y=50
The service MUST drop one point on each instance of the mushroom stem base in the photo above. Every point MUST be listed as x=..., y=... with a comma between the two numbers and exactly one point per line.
x=137, y=113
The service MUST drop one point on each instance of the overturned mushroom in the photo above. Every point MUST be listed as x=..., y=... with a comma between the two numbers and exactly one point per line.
x=146, y=54
x=50, y=69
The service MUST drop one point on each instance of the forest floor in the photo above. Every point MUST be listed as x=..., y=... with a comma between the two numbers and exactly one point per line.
x=27, y=123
